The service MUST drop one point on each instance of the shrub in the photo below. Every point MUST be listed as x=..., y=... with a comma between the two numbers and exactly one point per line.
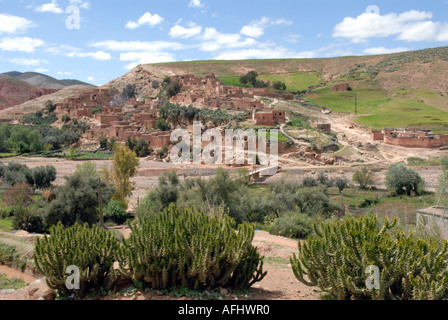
x=184, y=248
x=28, y=220
x=297, y=226
x=77, y=200
x=337, y=256
x=116, y=212
x=403, y=180
x=365, y=178
x=90, y=249
x=309, y=182
x=43, y=176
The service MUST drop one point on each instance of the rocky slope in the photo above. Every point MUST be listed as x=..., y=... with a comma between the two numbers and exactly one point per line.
x=14, y=92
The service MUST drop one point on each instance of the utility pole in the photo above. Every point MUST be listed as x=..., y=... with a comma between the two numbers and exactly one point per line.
x=356, y=104
x=100, y=203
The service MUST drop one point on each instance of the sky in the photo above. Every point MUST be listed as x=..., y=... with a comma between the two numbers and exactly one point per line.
x=99, y=40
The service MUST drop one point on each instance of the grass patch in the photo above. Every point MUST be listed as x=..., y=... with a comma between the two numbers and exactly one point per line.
x=233, y=81
x=275, y=260
x=6, y=283
x=294, y=81
x=16, y=252
x=94, y=156
x=6, y=225
x=431, y=161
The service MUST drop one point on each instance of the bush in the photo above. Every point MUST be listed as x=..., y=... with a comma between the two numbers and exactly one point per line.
x=77, y=200
x=409, y=267
x=403, y=180
x=365, y=178
x=90, y=249
x=190, y=249
x=43, y=176
x=309, y=182
x=116, y=212
x=297, y=226
x=28, y=220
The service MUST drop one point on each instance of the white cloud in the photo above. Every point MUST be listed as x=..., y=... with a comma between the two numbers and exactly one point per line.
x=195, y=4
x=137, y=58
x=13, y=24
x=293, y=38
x=443, y=34
x=256, y=28
x=213, y=40
x=146, y=19
x=141, y=52
x=52, y=7
x=98, y=55
x=28, y=62
x=408, y=26
x=41, y=70
x=81, y=4
x=138, y=45
x=24, y=44
x=185, y=32
x=263, y=53
x=64, y=73
x=91, y=78
x=382, y=50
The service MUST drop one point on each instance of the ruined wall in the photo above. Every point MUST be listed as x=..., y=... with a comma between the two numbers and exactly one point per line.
x=410, y=142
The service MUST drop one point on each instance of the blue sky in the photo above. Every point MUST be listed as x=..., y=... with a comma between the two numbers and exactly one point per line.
x=111, y=37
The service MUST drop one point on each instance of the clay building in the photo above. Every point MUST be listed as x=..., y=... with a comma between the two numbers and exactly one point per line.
x=341, y=87
x=269, y=117
x=410, y=138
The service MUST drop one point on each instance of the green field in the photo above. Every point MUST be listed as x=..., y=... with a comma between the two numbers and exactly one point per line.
x=377, y=110
x=294, y=81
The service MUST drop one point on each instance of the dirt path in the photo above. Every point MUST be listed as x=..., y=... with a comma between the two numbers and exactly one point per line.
x=280, y=282
x=15, y=274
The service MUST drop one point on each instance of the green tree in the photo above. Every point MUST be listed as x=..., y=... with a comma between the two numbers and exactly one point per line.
x=124, y=167
x=341, y=184
x=77, y=200
x=129, y=91
x=365, y=178
x=279, y=85
x=403, y=180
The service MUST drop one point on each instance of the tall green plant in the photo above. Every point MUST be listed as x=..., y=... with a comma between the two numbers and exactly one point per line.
x=184, y=248
x=89, y=249
x=337, y=256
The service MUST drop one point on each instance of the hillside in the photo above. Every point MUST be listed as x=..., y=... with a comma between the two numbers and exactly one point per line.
x=406, y=89
x=14, y=92
x=38, y=104
x=43, y=81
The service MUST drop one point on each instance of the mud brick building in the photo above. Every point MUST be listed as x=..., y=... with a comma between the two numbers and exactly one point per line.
x=269, y=117
x=410, y=138
x=321, y=126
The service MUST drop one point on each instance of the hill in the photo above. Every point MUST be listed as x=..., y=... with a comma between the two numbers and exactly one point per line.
x=14, y=92
x=38, y=104
x=43, y=81
x=408, y=89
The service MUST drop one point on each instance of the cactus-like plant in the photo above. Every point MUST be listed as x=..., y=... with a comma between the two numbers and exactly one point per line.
x=336, y=257
x=91, y=249
x=184, y=248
